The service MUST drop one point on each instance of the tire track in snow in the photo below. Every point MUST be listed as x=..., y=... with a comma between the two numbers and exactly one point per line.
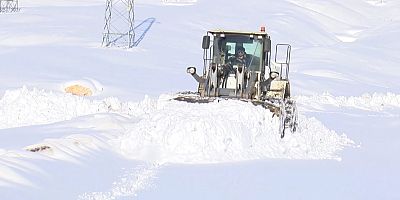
x=129, y=185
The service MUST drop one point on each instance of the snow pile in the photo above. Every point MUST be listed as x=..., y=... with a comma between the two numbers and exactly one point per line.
x=171, y=131
x=24, y=107
x=224, y=131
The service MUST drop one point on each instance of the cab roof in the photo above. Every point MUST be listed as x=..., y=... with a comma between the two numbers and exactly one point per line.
x=237, y=32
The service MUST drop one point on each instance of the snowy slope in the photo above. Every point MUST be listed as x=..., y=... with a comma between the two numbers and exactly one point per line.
x=130, y=141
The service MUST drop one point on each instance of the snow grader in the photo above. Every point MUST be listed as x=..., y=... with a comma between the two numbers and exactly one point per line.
x=237, y=65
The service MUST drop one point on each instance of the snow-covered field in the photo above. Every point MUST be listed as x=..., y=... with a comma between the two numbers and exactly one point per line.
x=130, y=141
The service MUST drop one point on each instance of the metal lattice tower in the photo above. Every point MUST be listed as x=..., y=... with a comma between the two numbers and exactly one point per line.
x=119, y=24
x=9, y=6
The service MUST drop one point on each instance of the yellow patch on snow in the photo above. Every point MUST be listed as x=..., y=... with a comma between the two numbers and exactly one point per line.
x=78, y=90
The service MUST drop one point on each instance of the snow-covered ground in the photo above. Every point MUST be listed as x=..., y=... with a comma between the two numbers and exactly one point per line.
x=130, y=141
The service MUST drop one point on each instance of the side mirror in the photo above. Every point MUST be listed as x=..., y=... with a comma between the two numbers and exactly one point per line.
x=206, y=42
x=267, y=45
x=191, y=70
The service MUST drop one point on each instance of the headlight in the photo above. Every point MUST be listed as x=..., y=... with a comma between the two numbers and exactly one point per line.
x=191, y=70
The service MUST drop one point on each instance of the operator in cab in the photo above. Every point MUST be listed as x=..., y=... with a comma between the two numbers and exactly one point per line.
x=240, y=59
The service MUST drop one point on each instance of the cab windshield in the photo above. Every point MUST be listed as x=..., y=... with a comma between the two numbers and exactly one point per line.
x=227, y=48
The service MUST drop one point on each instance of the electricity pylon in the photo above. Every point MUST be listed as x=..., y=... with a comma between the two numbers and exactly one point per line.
x=119, y=24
